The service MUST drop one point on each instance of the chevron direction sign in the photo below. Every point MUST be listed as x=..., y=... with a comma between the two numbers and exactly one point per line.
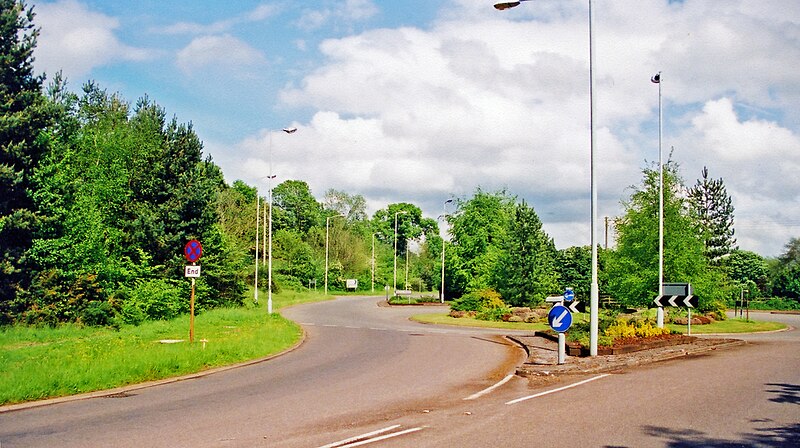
x=677, y=294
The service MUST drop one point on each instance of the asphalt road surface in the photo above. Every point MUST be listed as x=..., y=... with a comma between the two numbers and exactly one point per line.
x=366, y=375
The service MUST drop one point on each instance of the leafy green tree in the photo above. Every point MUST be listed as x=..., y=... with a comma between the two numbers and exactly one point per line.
x=712, y=210
x=24, y=117
x=352, y=207
x=479, y=230
x=748, y=268
x=574, y=267
x=786, y=282
x=525, y=273
x=633, y=267
x=295, y=207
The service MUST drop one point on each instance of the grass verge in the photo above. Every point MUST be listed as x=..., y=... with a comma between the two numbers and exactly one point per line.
x=445, y=319
x=730, y=326
x=42, y=362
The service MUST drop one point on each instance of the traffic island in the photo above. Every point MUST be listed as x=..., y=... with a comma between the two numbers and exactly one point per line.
x=542, y=350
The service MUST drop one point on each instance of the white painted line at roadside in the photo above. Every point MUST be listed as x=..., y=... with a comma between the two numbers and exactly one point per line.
x=489, y=389
x=559, y=389
x=361, y=437
x=370, y=437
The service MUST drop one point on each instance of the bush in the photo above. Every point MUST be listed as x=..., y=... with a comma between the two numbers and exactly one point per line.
x=486, y=303
x=157, y=299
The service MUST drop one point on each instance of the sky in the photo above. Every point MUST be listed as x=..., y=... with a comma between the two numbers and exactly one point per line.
x=422, y=101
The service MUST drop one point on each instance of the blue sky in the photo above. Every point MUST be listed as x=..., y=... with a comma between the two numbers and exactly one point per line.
x=420, y=101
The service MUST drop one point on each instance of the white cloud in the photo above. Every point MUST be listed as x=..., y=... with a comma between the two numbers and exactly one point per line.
x=76, y=40
x=217, y=52
x=258, y=14
x=340, y=11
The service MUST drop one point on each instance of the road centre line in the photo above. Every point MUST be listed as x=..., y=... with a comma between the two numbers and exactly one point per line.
x=369, y=437
x=518, y=400
x=489, y=389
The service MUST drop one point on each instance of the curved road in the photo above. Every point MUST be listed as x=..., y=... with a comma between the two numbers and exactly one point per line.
x=361, y=365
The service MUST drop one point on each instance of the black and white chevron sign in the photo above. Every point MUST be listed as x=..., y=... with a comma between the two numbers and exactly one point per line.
x=676, y=294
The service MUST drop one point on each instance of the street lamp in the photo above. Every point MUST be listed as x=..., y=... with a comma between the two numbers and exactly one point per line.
x=444, y=218
x=595, y=294
x=272, y=176
x=660, y=313
x=402, y=212
x=373, y=263
x=327, y=233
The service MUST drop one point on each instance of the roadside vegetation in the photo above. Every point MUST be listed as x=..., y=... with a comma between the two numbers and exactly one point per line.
x=45, y=362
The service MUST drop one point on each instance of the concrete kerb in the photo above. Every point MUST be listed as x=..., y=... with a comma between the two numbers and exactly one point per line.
x=134, y=387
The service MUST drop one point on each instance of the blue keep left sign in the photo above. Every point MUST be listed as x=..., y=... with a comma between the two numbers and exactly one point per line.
x=559, y=318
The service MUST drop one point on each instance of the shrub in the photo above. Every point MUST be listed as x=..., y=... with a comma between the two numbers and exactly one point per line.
x=486, y=303
x=156, y=299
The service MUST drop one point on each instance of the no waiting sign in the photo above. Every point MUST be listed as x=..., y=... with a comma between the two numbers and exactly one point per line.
x=193, y=251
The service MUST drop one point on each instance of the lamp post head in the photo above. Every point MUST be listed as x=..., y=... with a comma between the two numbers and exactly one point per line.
x=289, y=130
x=505, y=5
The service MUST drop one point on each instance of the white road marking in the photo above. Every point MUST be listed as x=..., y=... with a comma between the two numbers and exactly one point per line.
x=559, y=389
x=489, y=389
x=369, y=437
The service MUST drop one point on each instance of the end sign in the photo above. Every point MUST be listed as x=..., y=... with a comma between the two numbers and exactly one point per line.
x=192, y=271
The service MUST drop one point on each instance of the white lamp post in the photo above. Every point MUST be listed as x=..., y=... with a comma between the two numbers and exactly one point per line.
x=660, y=313
x=327, y=233
x=395, y=248
x=595, y=294
x=272, y=176
x=258, y=213
x=444, y=219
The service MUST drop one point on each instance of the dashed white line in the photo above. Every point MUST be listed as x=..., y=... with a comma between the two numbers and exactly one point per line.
x=559, y=389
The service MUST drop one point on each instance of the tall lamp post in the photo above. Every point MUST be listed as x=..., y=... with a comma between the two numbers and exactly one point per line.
x=269, y=256
x=660, y=313
x=594, y=294
x=402, y=212
x=444, y=219
x=327, y=237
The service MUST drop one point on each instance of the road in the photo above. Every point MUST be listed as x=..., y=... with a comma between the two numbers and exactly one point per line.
x=365, y=369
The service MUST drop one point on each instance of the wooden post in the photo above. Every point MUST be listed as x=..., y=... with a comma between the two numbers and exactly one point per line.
x=191, y=314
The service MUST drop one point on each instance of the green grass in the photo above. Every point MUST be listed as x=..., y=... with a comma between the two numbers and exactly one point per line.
x=730, y=326
x=445, y=319
x=38, y=363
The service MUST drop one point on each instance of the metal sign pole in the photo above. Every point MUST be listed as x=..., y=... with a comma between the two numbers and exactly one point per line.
x=191, y=314
x=562, y=348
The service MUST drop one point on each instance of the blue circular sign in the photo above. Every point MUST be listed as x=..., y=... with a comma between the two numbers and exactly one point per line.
x=569, y=295
x=559, y=318
x=193, y=251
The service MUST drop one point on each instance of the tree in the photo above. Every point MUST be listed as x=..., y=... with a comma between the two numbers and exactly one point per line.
x=352, y=207
x=633, y=276
x=574, y=268
x=748, y=269
x=786, y=282
x=24, y=117
x=712, y=210
x=479, y=231
x=295, y=207
x=525, y=273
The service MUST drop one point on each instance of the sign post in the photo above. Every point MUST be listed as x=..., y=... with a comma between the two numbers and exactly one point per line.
x=192, y=251
x=560, y=319
x=679, y=295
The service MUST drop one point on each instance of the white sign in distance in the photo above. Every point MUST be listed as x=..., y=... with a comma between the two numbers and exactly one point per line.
x=192, y=271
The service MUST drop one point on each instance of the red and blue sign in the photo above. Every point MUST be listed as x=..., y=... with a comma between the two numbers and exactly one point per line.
x=193, y=251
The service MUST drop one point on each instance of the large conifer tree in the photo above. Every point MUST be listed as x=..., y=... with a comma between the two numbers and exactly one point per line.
x=23, y=116
x=712, y=210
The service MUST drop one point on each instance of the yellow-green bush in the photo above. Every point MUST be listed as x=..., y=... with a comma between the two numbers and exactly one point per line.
x=622, y=328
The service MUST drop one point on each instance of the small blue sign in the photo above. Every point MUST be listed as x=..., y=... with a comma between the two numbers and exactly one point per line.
x=559, y=318
x=569, y=295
